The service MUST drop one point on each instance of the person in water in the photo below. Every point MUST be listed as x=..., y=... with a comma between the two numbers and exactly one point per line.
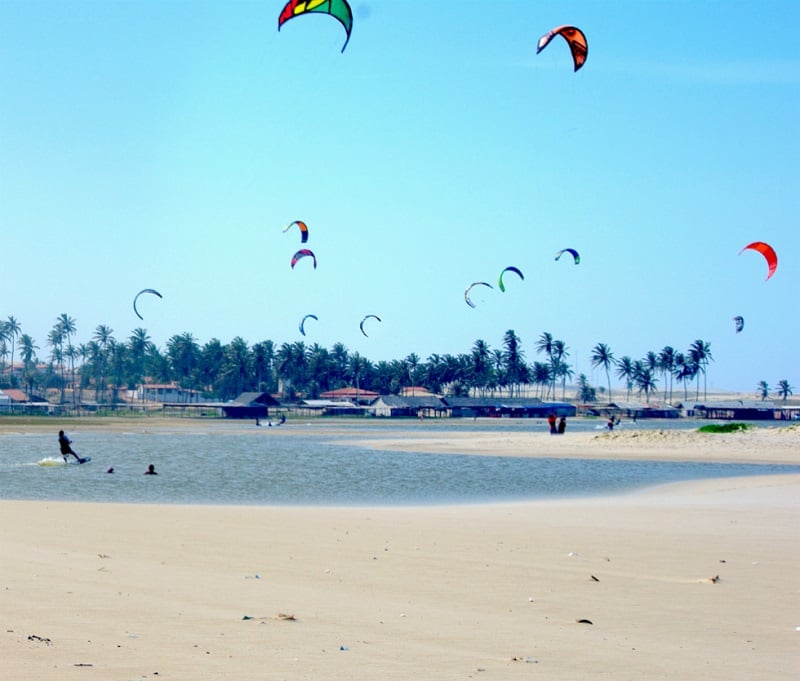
x=151, y=470
x=64, y=445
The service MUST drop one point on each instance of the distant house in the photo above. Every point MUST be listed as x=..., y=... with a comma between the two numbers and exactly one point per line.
x=633, y=410
x=167, y=392
x=355, y=395
x=509, y=407
x=18, y=401
x=738, y=410
x=328, y=408
x=417, y=406
x=416, y=391
x=250, y=405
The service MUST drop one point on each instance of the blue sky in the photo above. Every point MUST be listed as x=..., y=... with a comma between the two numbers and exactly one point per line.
x=166, y=144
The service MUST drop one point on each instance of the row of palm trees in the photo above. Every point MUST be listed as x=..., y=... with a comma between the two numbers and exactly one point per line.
x=671, y=364
x=107, y=365
x=783, y=391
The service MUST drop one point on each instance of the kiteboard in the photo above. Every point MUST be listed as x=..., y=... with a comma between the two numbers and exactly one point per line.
x=53, y=461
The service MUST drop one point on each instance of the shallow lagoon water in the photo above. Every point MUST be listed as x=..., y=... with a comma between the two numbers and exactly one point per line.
x=245, y=465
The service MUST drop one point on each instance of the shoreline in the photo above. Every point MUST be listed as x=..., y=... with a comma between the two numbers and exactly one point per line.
x=774, y=443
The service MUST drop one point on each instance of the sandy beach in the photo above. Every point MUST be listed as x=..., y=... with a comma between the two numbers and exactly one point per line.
x=687, y=581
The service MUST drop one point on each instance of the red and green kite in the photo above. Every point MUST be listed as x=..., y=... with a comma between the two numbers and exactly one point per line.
x=338, y=9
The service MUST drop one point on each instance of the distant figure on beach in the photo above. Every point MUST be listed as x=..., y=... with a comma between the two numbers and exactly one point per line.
x=258, y=421
x=64, y=444
x=283, y=420
x=562, y=425
x=151, y=470
x=610, y=424
x=551, y=420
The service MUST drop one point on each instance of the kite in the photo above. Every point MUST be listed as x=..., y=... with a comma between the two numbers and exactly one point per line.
x=469, y=288
x=302, y=253
x=508, y=269
x=739, y=322
x=338, y=9
x=575, y=39
x=572, y=252
x=144, y=290
x=767, y=251
x=361, y=325
x=303, y=321
x=303, y=229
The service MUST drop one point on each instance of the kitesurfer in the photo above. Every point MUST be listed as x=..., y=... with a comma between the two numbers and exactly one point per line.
x=64, y=444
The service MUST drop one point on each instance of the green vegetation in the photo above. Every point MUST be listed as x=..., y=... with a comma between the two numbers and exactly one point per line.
x=108, y=370
x=724, y=428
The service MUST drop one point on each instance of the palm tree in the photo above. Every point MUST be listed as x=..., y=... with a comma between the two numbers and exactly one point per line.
x=138, y=344
x=603, y=357
x=411, y=369
x=644, y=378
x=625, y=371
x=212, y=357
x=560, y=368
x=237, y=366
x=545, y=345
x=684, y=371
x=263, y=358
x=514, y=367
x=666, y=364
x=433, y=373
x=700, y=354
x=762, y=390
x=784, y=389
x=586, y=393
x=540, y=376
x=71, y=353
x=11, y=330
x=103, y=338
x=3, y=352
x=27, y=350
x=480, y=375
x=564, y=371
x=184, y=354
x=340, y=358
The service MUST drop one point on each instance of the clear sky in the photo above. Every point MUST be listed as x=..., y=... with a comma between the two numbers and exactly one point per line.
x=166, y=144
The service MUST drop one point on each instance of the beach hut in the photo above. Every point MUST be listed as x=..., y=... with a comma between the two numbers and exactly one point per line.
x=736, y=410
x=417, y=406
x=250, y=405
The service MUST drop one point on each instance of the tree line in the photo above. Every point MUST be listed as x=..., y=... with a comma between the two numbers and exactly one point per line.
x=104, y=366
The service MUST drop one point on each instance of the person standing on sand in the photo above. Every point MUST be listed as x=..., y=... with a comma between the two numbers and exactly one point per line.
x=551, y=420
x=562, y=425
x=64, y=445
